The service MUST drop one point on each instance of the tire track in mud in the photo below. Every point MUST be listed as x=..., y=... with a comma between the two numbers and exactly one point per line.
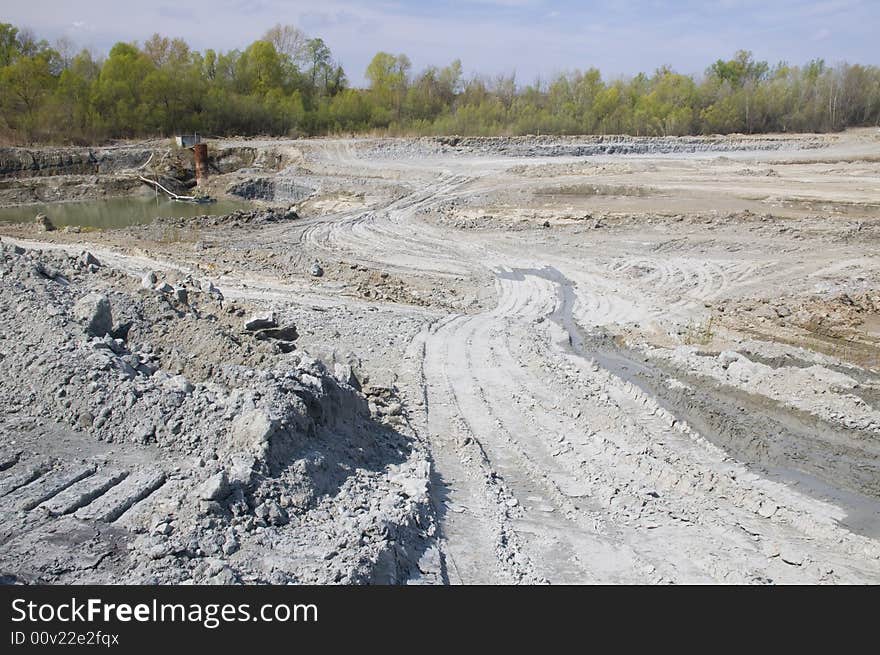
x=392, y=235
x=607, y=539
x=632, y=372
x=478, y=542
x=630, y=493
x=757, y=429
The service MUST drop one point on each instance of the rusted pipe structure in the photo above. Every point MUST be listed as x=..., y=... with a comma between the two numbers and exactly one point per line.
x=200, y=152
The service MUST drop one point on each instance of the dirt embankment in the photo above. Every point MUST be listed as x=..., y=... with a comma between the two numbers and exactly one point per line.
x=169, y=438
x=32, y=175
x=43, y=162
x=590, y=146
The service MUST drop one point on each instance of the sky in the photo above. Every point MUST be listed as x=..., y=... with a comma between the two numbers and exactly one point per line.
x=531, y=38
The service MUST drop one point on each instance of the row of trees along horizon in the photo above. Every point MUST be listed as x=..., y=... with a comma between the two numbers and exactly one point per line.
x=289, y=84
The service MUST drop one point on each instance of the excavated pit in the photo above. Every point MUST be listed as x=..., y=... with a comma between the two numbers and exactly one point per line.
x=502, y=360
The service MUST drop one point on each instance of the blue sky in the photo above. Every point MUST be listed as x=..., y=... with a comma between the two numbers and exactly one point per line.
x=529, y=37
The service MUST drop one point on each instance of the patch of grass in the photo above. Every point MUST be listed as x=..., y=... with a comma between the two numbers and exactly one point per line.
x=700, y=333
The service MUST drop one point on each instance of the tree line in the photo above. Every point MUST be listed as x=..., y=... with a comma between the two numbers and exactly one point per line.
x=288, y=83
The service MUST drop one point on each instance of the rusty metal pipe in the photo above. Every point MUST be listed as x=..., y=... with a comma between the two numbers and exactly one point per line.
x=200, y=152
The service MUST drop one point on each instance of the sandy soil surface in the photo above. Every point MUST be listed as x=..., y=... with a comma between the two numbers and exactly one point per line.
x=605, y=360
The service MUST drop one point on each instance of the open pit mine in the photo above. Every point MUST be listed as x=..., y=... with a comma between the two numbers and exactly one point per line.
x=442, y=361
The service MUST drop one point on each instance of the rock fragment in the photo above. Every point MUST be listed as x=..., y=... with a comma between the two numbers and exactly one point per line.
x=287, y=333
x=88, y=259
x=44, y=224
x=272, y=513
x=179, y=384
x=94, y=310
x=214, y=488
x=149, y=280
x=261, y=322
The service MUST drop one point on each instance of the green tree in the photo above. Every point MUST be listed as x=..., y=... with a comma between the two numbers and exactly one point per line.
x=70, y=107
x=259, y=69
x=320, y=63
x=119, y=89
x=388, y=76
x=10, y=48
x=24, y=86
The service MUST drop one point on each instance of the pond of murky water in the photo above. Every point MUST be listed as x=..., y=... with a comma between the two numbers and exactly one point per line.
x=117, y=212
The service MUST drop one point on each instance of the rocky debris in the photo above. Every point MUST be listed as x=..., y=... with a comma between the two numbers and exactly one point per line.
x=208, y=287
x=413, y=480
x=179, y=290
x=178, y=383
x=265, y=327
x=149, y=280
x=272, y=513
x=261, y=322
x=237, y=219
x=287, y=333
x=251, y=434
x=49, y=272
x=215, y=488
x=382, y=286
x=345, y=375
x=88, y=260
x=818, y=387
x=93, y=309
x=385, y=404
x=835, y=322
x=216, y=478
x=273, y=190
x=43, y=223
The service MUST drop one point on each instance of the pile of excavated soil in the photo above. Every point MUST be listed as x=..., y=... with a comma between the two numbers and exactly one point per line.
x=149, y=437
